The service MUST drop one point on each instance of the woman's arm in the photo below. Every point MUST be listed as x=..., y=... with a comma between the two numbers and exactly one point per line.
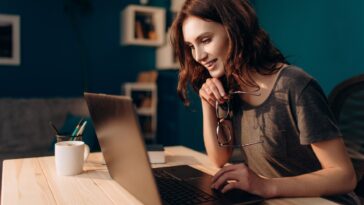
x=336, y=176
x=218, y=155
x=211, y=91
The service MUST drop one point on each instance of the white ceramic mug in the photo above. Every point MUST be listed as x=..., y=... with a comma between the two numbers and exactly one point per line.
x=70, y=156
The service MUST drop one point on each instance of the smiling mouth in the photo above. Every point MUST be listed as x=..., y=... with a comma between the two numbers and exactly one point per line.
x=210, y=63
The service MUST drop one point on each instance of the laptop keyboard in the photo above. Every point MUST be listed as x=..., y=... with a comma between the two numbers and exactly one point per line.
x=175, y=191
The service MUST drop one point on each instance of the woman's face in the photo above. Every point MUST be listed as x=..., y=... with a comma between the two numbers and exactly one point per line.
x=208, y=42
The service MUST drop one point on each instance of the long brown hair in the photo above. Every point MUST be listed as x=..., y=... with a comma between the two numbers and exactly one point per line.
x=249, y=45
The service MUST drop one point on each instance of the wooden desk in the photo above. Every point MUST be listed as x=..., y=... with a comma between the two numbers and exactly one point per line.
x=34, y=181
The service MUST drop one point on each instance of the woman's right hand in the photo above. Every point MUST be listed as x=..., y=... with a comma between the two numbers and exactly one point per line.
x=213, y=90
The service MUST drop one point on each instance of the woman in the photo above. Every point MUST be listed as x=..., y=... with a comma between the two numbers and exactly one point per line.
x=250, y=93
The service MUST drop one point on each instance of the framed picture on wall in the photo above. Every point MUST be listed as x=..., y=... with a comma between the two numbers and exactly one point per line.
x=9, y=39
x=143, y=25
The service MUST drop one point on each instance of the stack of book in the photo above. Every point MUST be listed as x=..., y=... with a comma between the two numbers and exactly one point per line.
x=156, y=153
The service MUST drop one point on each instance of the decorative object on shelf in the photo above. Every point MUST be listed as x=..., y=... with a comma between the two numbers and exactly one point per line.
x=143, y=25
x=144, y=2
x=166, y=58
x=9, y=39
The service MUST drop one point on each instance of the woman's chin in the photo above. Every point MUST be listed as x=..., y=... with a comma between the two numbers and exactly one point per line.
x=217, y=73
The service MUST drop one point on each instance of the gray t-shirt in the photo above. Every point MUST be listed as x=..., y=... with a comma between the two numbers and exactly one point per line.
x=295, y=114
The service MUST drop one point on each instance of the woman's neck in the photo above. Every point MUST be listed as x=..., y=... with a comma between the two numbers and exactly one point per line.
x=264, y=80
x=265, y=83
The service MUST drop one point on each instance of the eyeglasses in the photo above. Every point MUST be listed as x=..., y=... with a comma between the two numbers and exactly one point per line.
x=223, y=130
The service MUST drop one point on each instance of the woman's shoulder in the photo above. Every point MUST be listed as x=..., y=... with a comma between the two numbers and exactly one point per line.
x=293, y=79
x=295, y=73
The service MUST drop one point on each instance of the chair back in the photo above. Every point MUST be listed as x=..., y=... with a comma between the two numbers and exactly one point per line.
x=347, y=103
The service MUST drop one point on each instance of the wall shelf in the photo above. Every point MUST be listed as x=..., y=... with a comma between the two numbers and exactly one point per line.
x=144, y=97
x=142, y=25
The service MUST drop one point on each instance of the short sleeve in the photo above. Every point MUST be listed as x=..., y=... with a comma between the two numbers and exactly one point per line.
x=315, y=120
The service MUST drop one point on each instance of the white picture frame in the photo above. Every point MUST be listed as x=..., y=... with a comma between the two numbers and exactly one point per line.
x=166, y=58
x=176, y=5
x=143, y=25
x=9, y=39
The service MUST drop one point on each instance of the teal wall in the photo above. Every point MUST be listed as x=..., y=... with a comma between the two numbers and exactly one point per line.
x=67, y=51
x=325, y=38
x=67, y=48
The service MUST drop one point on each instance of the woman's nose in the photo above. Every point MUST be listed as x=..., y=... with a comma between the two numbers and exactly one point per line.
x=200, y=55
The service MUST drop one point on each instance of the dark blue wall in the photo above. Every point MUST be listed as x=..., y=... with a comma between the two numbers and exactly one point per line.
x=326, y=38
x=67, y=48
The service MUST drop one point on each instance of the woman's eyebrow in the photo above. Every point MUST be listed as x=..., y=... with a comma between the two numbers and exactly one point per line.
x=200, y=37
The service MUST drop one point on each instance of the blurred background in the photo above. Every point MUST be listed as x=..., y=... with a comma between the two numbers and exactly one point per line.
x=67, y=47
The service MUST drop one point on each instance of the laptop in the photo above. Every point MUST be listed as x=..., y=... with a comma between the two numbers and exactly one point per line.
x=117, y=129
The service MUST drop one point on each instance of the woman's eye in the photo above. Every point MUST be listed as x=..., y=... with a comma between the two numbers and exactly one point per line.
x=206, y=40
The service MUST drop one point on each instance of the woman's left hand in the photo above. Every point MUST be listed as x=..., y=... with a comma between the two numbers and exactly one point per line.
x=239, y=176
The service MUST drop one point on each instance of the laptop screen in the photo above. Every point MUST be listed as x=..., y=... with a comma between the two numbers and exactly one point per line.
x=117, y=129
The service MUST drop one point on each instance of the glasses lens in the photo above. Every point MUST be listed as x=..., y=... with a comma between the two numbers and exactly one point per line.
x=223, y=133
x=222, y=110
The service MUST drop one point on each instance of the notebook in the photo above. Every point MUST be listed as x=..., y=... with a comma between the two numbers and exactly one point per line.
x=123, y=148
